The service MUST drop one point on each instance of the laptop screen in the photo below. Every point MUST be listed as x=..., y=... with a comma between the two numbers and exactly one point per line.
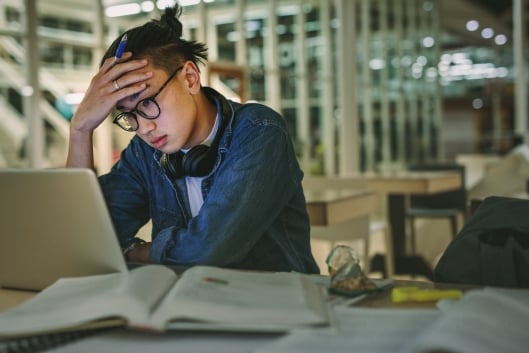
x=54, y=223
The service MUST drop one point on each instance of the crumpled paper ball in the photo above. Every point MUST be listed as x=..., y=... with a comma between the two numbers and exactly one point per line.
x=346, y=274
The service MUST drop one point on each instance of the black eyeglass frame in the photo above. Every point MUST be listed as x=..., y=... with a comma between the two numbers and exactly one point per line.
x=131, y=114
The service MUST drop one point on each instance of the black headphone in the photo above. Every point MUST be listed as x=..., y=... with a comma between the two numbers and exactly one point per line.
x=199, y=160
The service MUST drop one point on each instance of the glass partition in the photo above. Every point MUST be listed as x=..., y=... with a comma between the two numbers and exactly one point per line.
x=289, y=54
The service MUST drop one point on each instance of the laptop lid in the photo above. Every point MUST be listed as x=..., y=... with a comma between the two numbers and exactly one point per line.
x=54, y=223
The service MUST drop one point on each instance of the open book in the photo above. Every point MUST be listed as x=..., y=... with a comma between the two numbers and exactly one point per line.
x=153, y=297
x=486, y=321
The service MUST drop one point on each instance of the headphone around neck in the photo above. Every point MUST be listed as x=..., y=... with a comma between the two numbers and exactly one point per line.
x=199, y=160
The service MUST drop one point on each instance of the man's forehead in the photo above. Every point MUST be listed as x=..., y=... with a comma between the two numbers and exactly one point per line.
x=133, y=99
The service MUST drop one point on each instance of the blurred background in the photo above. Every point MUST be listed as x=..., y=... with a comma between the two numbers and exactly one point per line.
x=365, y=85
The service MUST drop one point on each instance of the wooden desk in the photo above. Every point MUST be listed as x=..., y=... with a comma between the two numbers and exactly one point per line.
x=196, y=341
x=327, y=207
x=383, y=299
x=398, y=186
x=11, y=297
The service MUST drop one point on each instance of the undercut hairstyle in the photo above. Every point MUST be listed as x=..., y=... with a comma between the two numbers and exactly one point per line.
x=161, y=42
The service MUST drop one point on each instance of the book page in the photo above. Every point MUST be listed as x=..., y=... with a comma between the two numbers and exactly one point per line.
x=485, y=321
x=82, y=300
x=128, y=341
x=365, y=330
x=148, y=285
x=243, y=299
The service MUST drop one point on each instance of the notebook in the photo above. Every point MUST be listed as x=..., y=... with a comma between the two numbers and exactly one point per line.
x=54, y=223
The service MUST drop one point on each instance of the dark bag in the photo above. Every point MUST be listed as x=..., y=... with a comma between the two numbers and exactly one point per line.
x=492, y=248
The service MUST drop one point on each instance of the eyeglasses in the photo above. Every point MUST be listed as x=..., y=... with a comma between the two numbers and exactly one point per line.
x=147, y=108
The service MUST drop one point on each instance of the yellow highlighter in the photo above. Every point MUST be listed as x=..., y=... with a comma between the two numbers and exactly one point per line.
x=415, y=294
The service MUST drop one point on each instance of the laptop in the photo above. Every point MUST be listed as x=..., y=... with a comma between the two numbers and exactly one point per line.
x=54, y=223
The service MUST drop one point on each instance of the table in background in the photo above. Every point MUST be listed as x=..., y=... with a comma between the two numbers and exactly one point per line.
x=398, y=186
x=340, y=214
x=331, y=206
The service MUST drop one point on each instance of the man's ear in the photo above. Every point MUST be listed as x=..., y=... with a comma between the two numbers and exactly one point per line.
x=191, y=77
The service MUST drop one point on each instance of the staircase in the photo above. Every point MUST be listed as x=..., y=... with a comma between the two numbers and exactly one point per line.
x=13, y=126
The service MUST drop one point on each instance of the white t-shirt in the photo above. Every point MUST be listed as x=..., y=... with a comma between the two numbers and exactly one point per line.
x=194, y=189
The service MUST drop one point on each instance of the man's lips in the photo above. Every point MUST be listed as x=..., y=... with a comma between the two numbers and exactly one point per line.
x=158, y=141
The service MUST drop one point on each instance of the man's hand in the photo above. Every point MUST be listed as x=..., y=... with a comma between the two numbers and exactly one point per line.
x=140, y=253
x=111, y=84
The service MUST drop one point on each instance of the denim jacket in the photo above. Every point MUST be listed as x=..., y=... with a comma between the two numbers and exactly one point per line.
x=254, y=213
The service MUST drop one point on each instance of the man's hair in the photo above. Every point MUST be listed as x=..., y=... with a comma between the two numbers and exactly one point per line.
x=161, y=42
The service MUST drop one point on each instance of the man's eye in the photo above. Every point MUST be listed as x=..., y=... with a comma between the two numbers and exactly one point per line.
x=146, y=103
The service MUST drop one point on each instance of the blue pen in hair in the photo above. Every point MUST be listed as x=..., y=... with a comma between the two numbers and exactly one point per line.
x=121, y=47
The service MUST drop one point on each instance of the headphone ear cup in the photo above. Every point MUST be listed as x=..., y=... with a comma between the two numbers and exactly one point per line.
x=198, y=161
x=172, y=164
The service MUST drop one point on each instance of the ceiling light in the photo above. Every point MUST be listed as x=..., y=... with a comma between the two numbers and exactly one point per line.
x=422, y=60
x=377, y=64
x=428, y=42
x=147, y=6
x=487, y=33
x=500, y=39
x=162, y=4
x=431, y=72
x=472, y=25
x=477, y=103
x=123, y=10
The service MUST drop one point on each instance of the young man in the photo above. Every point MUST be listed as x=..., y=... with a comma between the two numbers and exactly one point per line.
x=219, y=180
